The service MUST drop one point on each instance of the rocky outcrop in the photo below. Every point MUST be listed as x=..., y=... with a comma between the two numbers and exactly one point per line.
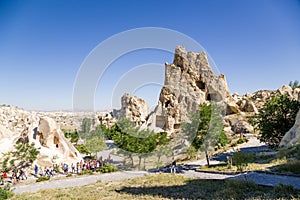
x=104, y=118
x=189, y=81
x=50, y=136
x=292, y=137
x=18, y=125
x=133, y=108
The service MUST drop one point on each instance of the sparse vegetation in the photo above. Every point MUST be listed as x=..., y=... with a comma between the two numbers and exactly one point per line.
x=107, y=168
x=5, y=192
x=292, y=166
x=166, y=186
x=241, y=160
x=43, y=178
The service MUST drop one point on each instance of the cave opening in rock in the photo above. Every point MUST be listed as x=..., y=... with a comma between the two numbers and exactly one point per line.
x=201, y=85
x=176, y=126
x=167, y=103
x=208, y=97
x=56, y=141
x=213, y=97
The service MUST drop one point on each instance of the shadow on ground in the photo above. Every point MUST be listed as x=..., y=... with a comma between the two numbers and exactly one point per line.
x=214, y=189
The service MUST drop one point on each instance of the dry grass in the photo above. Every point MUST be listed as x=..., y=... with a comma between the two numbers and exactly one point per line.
x=167, y=186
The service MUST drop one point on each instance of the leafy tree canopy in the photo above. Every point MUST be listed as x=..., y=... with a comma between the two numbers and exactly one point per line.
x=275, y=119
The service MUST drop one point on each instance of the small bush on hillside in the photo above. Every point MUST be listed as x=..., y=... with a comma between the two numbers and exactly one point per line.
x=292, y=166
x=292, y=152
x=5, y=192
x=43, y=178
x=86, y=172
x=242, y=140
x=107, y=168
x=241, y=160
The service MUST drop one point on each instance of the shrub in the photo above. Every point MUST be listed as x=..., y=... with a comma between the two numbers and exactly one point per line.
x=5, y=192
x=242, y=140
x=191, y=152
x=223, y=140
x=285, y=190
x=86, y=172
x=292, y=166
x=43, y=178
x=292, y=152
x=107, y=168
x=241, y=160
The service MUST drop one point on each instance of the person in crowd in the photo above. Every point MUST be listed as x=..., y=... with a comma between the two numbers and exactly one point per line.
x=36, y=169
x=173, y=167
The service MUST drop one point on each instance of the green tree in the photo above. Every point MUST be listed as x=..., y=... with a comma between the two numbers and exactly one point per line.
x=94, y=140
x=86, y=125
x=72, y=134
x=205, y=128
x=294, y=84
x=95, y=144
x=82, y=149
x=275, y=119
x=23, y=156
x=133, y=140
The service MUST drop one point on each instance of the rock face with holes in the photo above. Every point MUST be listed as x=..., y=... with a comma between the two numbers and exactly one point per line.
x=133, y=108
x=18, y=125
x=292, y=137
x=189, y=81
x=49, y=135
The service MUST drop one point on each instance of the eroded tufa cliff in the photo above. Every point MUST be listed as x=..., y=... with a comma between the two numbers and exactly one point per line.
x=27, y=126
x=189, y=81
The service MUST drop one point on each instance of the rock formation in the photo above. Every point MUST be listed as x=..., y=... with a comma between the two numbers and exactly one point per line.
x=27, y=126
x=52, y=138
x=133, y=108
x=292, y=137
x=189, y=81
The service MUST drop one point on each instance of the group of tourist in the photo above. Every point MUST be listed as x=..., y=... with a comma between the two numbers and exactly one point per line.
x=74, y=168
x=16, y=176
x=63, y=168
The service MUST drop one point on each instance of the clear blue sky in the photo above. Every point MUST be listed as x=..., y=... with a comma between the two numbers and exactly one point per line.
x=255, y=43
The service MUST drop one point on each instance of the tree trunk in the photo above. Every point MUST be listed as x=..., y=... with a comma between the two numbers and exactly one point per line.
x=131, y=159
x=207, y=158
x=144, y=163
x=140, y=159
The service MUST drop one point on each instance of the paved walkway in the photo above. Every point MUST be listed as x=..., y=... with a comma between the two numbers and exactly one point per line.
x=76, y=181
x=258, y=178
